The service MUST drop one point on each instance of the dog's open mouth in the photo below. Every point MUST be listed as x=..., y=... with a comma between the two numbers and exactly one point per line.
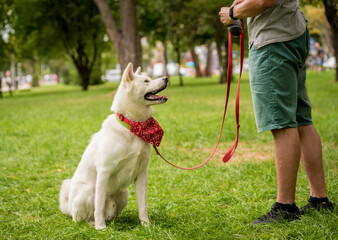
x=151, y=96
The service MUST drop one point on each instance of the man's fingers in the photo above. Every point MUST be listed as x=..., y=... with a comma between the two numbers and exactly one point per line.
x=223, y=10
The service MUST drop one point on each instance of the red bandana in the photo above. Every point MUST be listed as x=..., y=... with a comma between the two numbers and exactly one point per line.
x=150, y=131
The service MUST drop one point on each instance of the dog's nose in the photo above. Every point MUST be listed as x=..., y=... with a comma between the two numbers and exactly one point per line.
x=165, y=78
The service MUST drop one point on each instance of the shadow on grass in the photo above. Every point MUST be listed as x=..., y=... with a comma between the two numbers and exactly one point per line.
x=129, y=220
x=125, y=222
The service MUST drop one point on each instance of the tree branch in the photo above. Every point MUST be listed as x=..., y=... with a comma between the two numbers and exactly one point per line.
x=107, y=18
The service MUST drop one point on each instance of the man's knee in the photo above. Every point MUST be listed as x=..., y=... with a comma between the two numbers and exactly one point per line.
x=284, y=131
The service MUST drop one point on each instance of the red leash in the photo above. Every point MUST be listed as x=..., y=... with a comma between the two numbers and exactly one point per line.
x=232, y=149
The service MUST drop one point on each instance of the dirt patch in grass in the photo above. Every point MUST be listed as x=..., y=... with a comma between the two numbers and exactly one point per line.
x=245, y=152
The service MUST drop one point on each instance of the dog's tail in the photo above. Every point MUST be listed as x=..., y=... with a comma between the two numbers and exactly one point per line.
x=64, y=196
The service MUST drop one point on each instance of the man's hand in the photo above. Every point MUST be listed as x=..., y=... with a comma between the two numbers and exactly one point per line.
x=224, y=15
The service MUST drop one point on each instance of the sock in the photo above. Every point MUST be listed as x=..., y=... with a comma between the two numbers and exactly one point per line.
x=286, y=207
x=318, y=200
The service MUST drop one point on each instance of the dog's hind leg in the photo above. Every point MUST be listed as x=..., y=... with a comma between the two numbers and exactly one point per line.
x=82, y=205
x=110, y=208
x=115, y=204
x=80, y=209
x=121, y=200
x=64, y=196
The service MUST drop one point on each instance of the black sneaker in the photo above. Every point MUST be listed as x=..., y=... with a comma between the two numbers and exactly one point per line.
x=319, y=206
x=278, y=215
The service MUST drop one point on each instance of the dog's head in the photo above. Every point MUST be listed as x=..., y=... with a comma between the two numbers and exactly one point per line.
x=141, y=88
x=137, y=93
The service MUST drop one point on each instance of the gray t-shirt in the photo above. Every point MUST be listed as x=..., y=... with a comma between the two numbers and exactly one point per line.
x=283, y=22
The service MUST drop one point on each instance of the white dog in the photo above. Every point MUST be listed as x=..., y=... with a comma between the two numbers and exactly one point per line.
x=115, y=157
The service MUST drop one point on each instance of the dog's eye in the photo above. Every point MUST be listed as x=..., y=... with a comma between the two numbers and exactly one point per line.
x=146, y=81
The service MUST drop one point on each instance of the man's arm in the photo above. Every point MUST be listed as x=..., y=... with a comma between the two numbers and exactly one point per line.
x=244, y=9
x=251, y=8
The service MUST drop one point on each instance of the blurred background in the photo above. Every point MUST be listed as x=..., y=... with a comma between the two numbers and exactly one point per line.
x=85, y=42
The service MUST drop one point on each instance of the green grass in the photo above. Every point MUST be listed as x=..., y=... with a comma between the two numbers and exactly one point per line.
x=44, y=132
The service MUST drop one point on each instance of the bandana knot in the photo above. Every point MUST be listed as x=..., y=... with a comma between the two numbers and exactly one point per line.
x=150, y=130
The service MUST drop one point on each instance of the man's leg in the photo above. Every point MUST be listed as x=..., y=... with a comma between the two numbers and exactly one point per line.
x=287, y=157
x=312, y=159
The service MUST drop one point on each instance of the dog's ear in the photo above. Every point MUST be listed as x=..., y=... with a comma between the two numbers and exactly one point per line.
x=138, y=71
x=128, y=74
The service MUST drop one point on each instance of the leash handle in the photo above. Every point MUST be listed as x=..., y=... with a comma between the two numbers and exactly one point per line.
x=232, y=149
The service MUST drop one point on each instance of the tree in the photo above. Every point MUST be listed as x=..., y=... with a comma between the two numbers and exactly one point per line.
x=6, y=47
x=161, y=20
x=318, y=25
x=177, y=31
x=196, y=32
x=220, y=34
x=186, y=23
x=123, y=30
x=331, y=15
x=203, y=26
x=80, y=31
x=46, y=29
x=155, y=24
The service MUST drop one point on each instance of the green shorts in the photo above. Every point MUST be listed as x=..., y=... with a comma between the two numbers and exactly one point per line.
x=277, y=79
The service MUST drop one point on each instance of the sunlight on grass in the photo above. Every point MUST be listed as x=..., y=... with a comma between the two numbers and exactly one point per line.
x=44, y=132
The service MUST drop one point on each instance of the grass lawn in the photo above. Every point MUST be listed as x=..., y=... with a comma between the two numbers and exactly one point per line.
x=44, y=132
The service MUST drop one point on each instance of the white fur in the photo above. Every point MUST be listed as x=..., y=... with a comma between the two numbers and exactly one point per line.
x=114, y=159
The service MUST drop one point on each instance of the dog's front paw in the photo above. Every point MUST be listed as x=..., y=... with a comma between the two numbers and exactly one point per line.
x=100, y=226
x=145, y=223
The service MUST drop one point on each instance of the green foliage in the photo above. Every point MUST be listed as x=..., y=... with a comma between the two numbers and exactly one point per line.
x=193, y=21
x=108, y=58
x=201, y=20
x=43, y=134
x=311, y=2
x=70, y=75
x=5, y=47
x=4, y=55
x=47, y=30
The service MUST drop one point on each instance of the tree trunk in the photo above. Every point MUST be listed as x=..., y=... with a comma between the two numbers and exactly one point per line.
x=85, y=77
x=83, y=64
x=9, y=84
x=84, y=72
x=220, y=38
x=13, y=72
x=222, y=70
x=0, y=87
x=83, y=69
x=126, y=40
x=331, y=15
x=178, y=55
x=226, y=61
x=139, y=53
x=165, y=59
x=34, y=72
x=196, y=62
x=209, y=59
